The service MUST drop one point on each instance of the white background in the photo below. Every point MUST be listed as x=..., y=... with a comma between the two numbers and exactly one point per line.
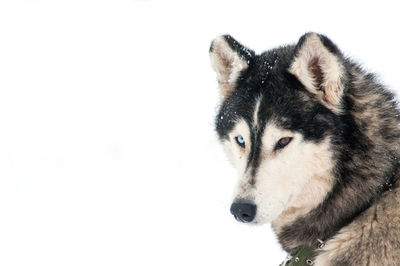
x=107, y=149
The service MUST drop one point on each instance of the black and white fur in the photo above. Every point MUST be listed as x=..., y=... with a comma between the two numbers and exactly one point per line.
x=321, y=148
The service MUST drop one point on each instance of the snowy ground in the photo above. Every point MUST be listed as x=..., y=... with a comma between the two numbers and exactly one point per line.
x=107, y=149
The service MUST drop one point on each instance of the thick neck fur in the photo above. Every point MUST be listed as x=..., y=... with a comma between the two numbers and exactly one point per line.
x=367, y=164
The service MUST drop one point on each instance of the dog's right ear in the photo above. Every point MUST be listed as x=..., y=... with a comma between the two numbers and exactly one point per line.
x=229, y=59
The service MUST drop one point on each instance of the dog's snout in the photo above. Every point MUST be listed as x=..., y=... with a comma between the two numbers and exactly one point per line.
x=243, y=212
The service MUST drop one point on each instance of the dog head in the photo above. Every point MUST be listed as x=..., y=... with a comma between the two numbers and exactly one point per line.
x=278, y=124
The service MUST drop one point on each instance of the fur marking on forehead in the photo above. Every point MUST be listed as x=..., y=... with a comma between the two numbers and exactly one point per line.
x=255, y=114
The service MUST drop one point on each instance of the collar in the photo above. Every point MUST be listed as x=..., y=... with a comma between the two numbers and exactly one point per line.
x=305, y=255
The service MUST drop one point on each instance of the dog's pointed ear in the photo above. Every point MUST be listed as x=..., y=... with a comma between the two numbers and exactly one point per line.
x=229, y=59
x=318, y=65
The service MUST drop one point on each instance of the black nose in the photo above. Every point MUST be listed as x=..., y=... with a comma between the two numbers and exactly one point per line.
x=243, y=212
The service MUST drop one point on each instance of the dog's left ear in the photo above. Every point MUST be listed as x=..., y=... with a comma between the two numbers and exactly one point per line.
x=317, y=64
x=229, y=59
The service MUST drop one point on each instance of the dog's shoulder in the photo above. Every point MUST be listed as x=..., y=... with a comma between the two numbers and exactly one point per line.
x=373, y=238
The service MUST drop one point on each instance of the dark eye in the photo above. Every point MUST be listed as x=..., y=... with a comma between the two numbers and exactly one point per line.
x=240, y=141
x=283, y=142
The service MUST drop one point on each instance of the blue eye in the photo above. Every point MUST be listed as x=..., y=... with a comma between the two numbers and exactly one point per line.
x=240, y=141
